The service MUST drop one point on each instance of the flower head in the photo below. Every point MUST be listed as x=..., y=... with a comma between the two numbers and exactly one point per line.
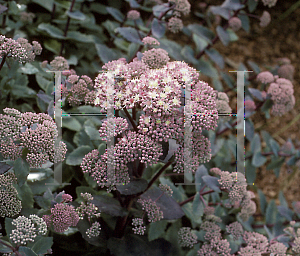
x=235, y=229
x=151, y=41
x=182, y=6
x=152, y=210
x=94, y=230
x=133, y=15
x=138, y=229
x=59, y=63
x=265, y=19
x=235, y=23
x=62, y=217
x=265, y=77
x=270, y=3
x=186, y=238
x=175, y=25
x=155, y=58
x=286, y=71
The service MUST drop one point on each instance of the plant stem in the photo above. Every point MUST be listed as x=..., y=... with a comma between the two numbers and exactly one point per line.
x=53, y=11
x=66, y=29
x=198, y=56
x=3, y=61
x=131, y=120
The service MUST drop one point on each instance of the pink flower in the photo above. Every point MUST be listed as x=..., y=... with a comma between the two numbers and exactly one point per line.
x=182, y=6
x=59, y=63
x=148, y=40
x=175, y=25
x=235, y=23
x=186, y=238
x=265, y=19
x=270, y=3
x=133, y=15
x=286, y=71
x=265, y=77
x=250, y=105
x=155, y=58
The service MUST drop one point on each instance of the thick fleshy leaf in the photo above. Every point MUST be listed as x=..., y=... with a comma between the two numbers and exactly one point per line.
x=130, y=34
x=158, y=28
x=206, y=68
x=216, y=57
x=255, y=144
x=249, y=129
x=42, y=244
x=115, y=13
x=275, y=163
x=25, y=195
x=245, y=21
x=156, y=229
x=44, y=97
x=109, y=205
x=188, y=54
x=274, y=146
x=223, y=35
x=200, y=42
x=133, y=187
x=172, y=48
x=271, y=212
x=178, y=192
x=107, y=54
x=92, y=132
x=170, y=208
x=198, y=207
x=285, y=212
x=159, y=9
x=250, y=172
x=27, y=251
x=47, y=4
x=258, y=159
x=8, y=227
x=4, y=246
x=202, y=31
x=2, y=8
x=133, y=3
x=76, y=15
x=76, y=156
x=21, y=170
x=51, y=30
x=80, y=37
x=212, y=182
x=71, y=123
x=256, y=93
x=200, y=173
x=232, y=5
x=4, y=167
x=254, y=66
x=218, y=10
x=282, y=199
x=252, y=5
x=28, y=69
x=262, y=201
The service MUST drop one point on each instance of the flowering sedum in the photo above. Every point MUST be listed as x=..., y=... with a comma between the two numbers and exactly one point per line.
x=133, y=15
x=175, y=25
x=138, y=229
x=35, y=132
x=152, y=210
x=151, y=41
x=265, y=19
x=87, y=208
x=10, y=205
x=62, y=217
x=59, y=63
x=186, y=238
x=27, y=229
x=235, y=23
x=155, y=58
x=94, y=230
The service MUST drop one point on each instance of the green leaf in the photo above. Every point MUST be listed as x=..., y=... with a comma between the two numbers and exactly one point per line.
x=212, y=182
x=133, y=187
x=271, y=212
x=42, y=244
x=109, y=205
x=198, y=207
x=200, y=42
x=25, y=195
x=282, y=199
x=274, y=146
x=262, y=201
x=77, y=15
x=216, y=57
x=28, y=69
x=232, y=5
x=21, y=170
x=285, y=212
x=4, y=246
x=200, y=173
x=188, y=54
x=98, y=8
x=254, y=66
x=8, y=227
x=275, y=163
x=178, y=192
x=172, y=48
x=267, y=105
x=52, y=46
x=76, y=156
x=245, y=21
x=20, y=91
x=132, y=49
x=250, y=172
x=202, y=31
x=249, y=129
x=207, y=69
x=115, y=13
x=223, y=35
x=27, y=251
x=71, y=123
x=84, y=189
x=232, y=35
x=92, y=132
x=130, y=34
x=51, y=30
x=256, y=93
x=47, y=4
x=219, y=10
x=258, y=159
x=156, y=229
x=252, y=5
x=107, y=54
x=80, y=37
x=255, y=144
x=170, y=208
x=158, y=28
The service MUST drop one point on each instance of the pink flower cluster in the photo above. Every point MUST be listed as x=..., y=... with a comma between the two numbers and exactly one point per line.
x=62, y=217
x=133, y=15
x=138, y=229
x=148, y=40
x=235, y=23
x=87, y=208
x=181, y=6
x=155, y=58
x=19, y=49
x=153, y=211
x=186, y=238
x=36, y=132
x=175, y=25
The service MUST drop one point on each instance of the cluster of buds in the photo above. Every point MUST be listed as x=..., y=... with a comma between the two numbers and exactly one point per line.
x=87, y=208
x=19, y=49
x=35, y=132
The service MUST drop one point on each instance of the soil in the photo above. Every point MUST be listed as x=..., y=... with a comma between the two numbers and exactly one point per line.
x=264, y=46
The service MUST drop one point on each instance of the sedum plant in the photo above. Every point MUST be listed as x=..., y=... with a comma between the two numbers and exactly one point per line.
x=141, y=209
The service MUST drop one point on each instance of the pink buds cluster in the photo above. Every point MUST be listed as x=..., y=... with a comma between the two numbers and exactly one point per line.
x=153, y=211
x=19, y=49
x=35, y=132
